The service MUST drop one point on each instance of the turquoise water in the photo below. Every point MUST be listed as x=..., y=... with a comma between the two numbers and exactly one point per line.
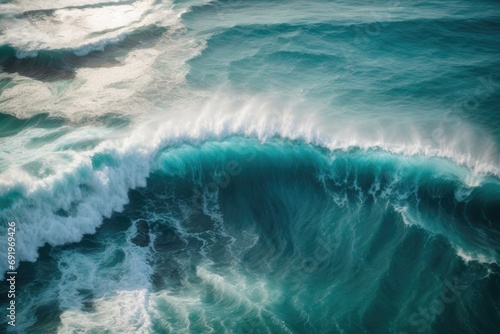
x=251, y=166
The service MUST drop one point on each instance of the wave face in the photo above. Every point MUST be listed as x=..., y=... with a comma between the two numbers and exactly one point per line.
x=251, y=166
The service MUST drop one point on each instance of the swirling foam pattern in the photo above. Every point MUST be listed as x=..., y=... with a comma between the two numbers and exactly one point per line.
x=251, y=166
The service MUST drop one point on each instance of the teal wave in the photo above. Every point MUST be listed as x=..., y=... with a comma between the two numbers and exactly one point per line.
x=288, y=237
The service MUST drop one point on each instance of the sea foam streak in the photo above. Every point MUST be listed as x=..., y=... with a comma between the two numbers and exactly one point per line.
x=79, y=28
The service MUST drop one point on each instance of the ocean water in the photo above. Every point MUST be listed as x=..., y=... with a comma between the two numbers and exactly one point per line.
x=253, y=166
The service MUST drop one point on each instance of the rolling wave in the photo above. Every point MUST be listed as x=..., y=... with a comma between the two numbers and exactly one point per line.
x=251, y=166
x=74, y=199
x=211, y=227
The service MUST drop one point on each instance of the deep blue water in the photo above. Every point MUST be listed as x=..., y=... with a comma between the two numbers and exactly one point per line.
x=251, y=166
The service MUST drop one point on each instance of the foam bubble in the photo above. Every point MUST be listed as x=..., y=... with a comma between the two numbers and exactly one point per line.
x=122, y=312
x=469, y=256
x=78, y=27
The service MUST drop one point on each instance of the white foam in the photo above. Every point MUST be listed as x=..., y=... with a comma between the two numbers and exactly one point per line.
x=224, y=116
x=99, y=45
x=77, y=28
x=88, y=194
x=131, y=85
x=403, y=211
x=21, y=6
x=178, y=309
x=121, y=312
x=118, y=279
x=85, y=193
x=467, y=256
x=92, y=91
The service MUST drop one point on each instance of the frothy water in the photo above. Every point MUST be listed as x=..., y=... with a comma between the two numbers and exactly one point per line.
x=251, y=167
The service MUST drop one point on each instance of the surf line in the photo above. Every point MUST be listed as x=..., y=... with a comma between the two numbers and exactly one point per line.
x=11, y=259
